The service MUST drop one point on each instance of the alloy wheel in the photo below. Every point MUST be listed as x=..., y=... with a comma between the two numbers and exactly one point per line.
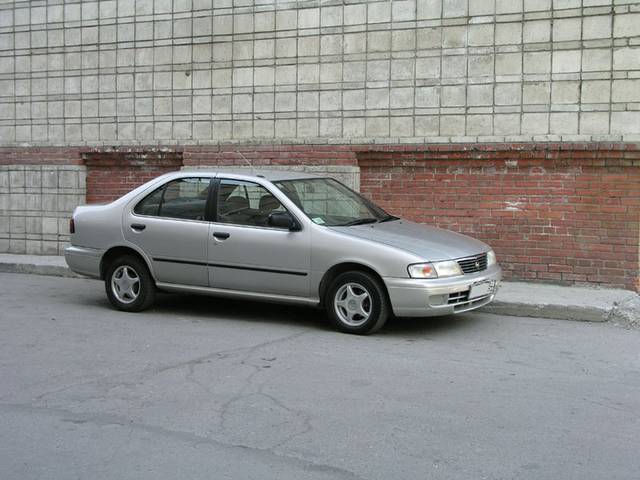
x=125, y=284
x=352, y=304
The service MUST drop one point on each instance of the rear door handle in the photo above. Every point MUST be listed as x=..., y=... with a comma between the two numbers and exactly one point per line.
x=221, y=235
x=138, y=226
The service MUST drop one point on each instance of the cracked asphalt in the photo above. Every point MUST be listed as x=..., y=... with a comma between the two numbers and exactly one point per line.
x=201, y=387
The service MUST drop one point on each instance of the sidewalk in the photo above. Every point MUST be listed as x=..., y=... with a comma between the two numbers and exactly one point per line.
x=514, y=298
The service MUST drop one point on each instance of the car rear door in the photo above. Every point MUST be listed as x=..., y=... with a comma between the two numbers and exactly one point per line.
x=170, y=225
x=245, y=253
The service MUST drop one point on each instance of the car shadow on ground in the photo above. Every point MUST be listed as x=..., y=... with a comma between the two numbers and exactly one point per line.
x=428, y=325
x=204, y=308
x=208, y=308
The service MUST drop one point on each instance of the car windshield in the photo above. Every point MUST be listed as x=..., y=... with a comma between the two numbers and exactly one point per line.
x=328, y=202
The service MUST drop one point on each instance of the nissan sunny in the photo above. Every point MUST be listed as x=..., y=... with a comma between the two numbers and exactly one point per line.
x=278, y=236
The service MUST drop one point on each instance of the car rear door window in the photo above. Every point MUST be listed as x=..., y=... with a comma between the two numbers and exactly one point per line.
x=246, y=203
x=150, y=205
x=185, y=198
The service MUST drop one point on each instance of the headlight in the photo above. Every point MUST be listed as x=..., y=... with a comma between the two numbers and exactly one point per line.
x=444, y=269
x=422, y=270
x=450, y=268
x=491, y=258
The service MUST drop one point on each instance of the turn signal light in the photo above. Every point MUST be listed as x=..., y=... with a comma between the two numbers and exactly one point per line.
x=72, y=226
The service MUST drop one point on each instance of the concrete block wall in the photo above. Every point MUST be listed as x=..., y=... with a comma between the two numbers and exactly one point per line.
x=204, y=71
x=36, y=202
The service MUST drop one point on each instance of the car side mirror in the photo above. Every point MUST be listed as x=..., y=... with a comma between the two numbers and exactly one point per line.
x=283, y=220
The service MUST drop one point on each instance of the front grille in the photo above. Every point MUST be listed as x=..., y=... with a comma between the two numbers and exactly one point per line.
x=458, y=297
x=473, y=264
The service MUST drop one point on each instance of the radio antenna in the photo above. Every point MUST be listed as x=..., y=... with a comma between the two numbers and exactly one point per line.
x=253, y=171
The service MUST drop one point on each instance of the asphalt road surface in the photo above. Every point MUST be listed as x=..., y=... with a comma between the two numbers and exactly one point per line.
x=207, y=388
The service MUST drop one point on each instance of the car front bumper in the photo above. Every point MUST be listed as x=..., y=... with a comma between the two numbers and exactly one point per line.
x=84, y=260
x=414, y=297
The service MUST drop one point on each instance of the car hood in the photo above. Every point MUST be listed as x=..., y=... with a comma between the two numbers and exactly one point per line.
x=430, y=243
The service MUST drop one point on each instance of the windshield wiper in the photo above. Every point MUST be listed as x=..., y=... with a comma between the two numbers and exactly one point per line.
x=389, y=218
x=359, y=221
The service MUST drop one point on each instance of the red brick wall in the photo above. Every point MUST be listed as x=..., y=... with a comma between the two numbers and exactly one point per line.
x=560, y=213
x=112, y=173
x=40, y=156
x=553, y=212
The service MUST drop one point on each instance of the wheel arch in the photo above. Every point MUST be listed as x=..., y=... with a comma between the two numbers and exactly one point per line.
x=116, y=251
x=343, y=267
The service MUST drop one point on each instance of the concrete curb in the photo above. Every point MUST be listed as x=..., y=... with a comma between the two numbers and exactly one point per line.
x=627, y=313
x=54, y=266
x=585, y=304
x=558, y=312
x=50, y=270
x=520, y=299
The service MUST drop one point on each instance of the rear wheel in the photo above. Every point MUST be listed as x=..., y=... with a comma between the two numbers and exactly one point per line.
x=357, y=303
x=129, y=285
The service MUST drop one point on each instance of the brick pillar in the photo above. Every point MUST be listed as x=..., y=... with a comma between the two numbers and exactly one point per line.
x=113, y=172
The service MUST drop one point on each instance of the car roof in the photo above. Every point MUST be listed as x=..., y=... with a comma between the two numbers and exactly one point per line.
x=266, y=174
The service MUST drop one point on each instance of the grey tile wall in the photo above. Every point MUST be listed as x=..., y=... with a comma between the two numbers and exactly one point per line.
x=36, y=202
x=200, y=71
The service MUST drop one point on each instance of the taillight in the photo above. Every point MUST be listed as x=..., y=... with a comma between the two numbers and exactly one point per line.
x=72, y=226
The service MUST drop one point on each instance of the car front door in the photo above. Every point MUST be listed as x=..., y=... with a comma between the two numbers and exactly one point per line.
x=171, y=227
x=247, y=254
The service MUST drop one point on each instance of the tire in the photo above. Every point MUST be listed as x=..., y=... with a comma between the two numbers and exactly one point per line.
x=129, y=271
x=357, y=303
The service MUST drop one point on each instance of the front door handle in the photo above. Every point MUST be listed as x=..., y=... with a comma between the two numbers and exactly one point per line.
x=138, y=226
x=221, y=235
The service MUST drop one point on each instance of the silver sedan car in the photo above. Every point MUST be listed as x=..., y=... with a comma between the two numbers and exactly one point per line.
x=278, y=236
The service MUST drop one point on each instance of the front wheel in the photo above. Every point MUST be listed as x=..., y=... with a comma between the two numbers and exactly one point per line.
x=357, y=303
x=129, y=285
